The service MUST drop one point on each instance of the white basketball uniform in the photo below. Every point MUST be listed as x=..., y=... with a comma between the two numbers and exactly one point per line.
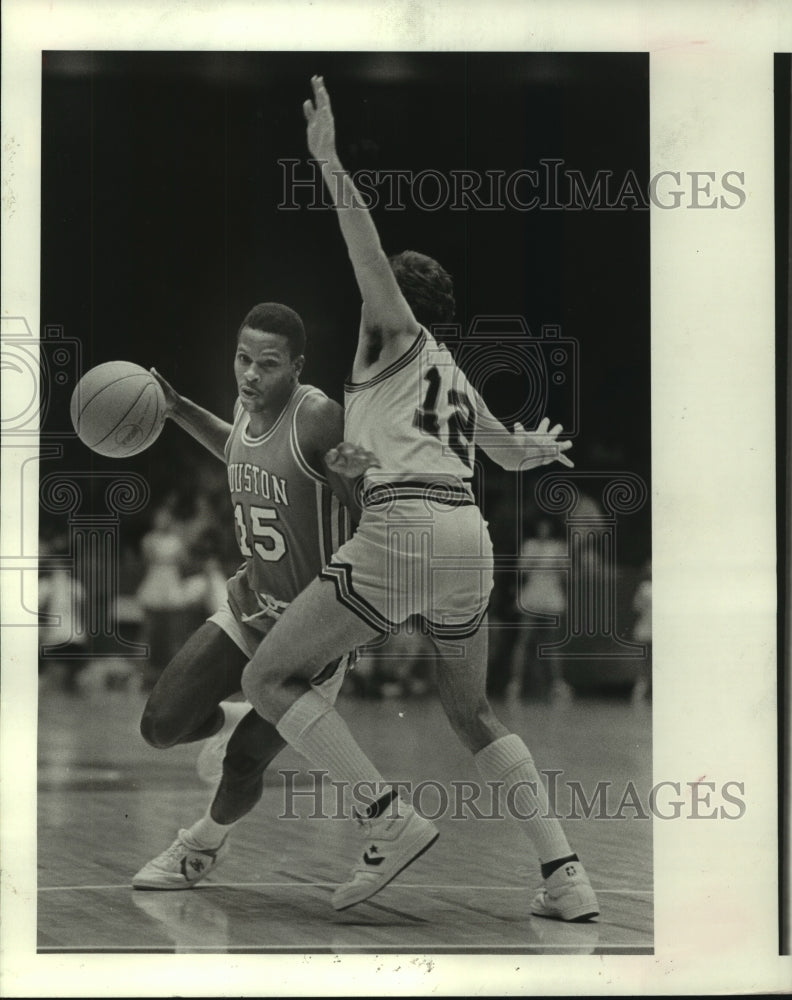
x=422, y=547
x=288, y=523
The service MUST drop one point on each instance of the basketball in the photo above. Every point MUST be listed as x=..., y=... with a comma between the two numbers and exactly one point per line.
x=118, y=409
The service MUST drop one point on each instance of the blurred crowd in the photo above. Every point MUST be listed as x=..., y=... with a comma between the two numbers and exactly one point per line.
x=172, y=565
x=174, y=560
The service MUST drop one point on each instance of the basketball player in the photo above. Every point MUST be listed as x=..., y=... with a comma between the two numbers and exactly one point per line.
x=408, y=403
x=288, y=523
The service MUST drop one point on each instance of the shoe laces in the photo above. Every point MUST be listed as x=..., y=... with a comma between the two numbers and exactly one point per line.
x=179, y=846
x=171, y=854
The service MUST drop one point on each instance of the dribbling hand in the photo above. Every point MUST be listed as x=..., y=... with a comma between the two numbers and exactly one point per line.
x=350, y=460
x=321, y=127
x=172, y=398
x=542, y=444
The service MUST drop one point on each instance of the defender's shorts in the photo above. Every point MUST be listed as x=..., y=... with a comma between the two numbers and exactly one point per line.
x=417, y=557
x=248, y=637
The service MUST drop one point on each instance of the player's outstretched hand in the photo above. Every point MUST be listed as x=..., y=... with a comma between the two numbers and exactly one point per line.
x=542, y=445
x=321, y=127
x=172, y=398
x=350, y=460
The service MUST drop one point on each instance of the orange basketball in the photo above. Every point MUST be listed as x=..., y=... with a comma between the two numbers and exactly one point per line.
x=118, y=409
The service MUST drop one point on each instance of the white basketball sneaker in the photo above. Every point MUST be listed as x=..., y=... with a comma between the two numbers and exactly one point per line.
x=181, y=866
x=209, y=764
x=392, y=843
x=566, y=895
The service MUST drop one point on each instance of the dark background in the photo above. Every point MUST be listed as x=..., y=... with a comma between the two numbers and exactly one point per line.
x=160, y=225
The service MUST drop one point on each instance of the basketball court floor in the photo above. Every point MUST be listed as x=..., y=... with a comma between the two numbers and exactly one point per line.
x=107, y=803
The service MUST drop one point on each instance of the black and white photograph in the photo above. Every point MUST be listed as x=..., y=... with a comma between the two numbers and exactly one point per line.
x=383, y=609
x=507, y=192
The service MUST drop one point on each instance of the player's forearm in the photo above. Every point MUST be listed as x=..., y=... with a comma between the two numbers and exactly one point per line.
x=205, y=427
x=495, y=440
x=518, y=450
x=508, y=454
x=515, y=454
x=516, y=460
x=357, y=226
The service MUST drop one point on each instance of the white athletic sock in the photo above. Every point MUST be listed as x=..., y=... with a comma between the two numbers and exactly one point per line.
x=316, y=730
x=508, y=760
x=208, y=834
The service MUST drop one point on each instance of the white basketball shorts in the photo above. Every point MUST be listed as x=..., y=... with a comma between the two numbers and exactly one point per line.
x=417, y=557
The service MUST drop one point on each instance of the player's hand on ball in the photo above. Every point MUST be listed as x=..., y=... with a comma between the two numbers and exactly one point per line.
x=172, y=398
x=542, y=445
x=350, y=460
x=321, y=127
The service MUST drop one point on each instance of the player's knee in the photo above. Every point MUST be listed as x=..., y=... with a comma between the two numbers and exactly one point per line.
x=158, y=730
x=260, y=687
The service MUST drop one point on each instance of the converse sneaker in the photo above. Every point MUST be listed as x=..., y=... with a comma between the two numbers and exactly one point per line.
x=566, y=895
x=181, y=866
x=209, y=764
x=392, y=843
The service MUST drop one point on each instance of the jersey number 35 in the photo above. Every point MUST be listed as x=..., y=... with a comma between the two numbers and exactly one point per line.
x=268, y=543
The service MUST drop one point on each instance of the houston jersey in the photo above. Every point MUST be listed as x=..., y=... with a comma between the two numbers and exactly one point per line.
x=287, y=520
x=418, y=416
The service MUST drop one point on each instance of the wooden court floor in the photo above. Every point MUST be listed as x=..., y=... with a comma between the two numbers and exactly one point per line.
x=107, y=803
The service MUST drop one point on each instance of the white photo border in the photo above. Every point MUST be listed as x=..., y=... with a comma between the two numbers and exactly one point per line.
x=713, y=461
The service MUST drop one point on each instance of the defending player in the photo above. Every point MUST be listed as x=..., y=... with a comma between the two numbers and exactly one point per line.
x=288, y=523
x=409, y=404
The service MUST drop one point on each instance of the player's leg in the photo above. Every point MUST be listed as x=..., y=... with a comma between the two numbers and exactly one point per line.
x=502, y=757
x=461, y=674
x=314, y=630
x=198, y=848
x=277, y=681
x=252, y=746
x=183, y=706
x=315, y=627
x=188, y=704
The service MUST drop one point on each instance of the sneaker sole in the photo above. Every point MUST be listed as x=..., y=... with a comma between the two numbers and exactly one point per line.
x=381, y=885
x=573, y=901
x=585, y=911
x=162, y=888
x=582, y=918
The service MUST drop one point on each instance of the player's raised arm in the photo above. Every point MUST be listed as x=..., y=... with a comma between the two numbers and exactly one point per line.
x=385, y=308
x=205, y=427
x=520, y=450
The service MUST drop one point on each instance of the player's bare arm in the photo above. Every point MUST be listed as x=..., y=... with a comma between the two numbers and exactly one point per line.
x=520, y=450
x=388, y=326
x=320, y=430
x=205, y=427
x=350, y=460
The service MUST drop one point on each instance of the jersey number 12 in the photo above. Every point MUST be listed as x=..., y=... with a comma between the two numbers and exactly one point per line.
x=461, y=422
